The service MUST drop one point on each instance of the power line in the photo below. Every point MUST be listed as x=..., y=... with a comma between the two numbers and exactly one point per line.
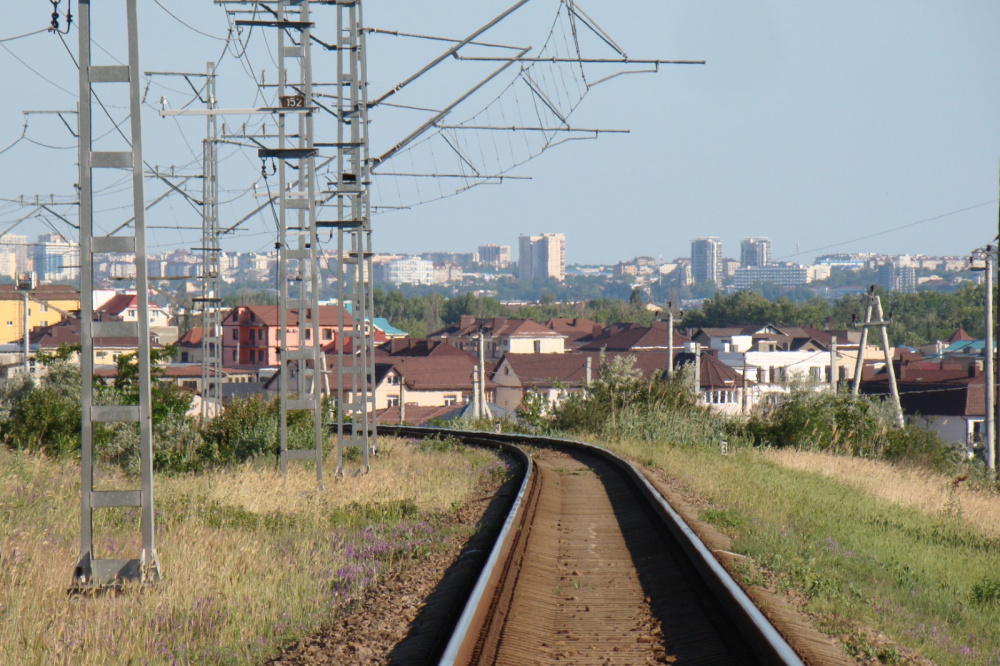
x=889, y=231
x=27, y=34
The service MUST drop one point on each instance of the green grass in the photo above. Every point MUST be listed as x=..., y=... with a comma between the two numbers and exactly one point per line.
x=929, y=583
x=251, y=561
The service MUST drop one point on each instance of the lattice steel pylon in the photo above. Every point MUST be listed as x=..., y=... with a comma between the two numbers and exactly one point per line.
x=92, y=572
x=356, y=341
x=210, y=299
x=300, y=352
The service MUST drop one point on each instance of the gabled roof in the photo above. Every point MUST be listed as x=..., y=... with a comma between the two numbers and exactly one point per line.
x=68, y=332
x=418, y=347
x=468, y=327
x=192, y=338
x=445, y=373
x=633, y=337
x=959, y=335
x=934, y=392
x=269, y=315
x=416, y=415
x=571, y=325
x=382, y=324
x=43, y=292
x=551, y=370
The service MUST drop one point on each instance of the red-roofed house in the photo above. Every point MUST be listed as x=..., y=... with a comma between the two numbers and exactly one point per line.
x=250, y=333
x=555, y=376
x=501, y=336
x=634, y=338
x=946, y=397
x=125, y=307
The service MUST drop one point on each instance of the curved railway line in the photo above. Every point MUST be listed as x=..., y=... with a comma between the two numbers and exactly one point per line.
x=593, y=566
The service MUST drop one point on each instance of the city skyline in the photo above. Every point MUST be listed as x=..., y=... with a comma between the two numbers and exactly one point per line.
x=819, y=131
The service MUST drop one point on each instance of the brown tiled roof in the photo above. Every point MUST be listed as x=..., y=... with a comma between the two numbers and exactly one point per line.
x=548, y=370
x=633, y=337
x=959, y=336
x=492, y=327
x=268, y=315
x=68, y=332
x=43, y=292
x=423, y=373
x=118, y=303
x=418, y=347
x=935, y=392
x=416, y=415
x=192, y=338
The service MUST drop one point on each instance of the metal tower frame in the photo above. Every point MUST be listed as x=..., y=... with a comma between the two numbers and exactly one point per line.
x=300, y=381
x=209, y=302
x=211, y=291
x=92, y=572
x=356, y=369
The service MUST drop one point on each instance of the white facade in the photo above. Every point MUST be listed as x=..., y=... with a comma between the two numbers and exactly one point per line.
x=14, y=255
x=56, y=259
x=411, y=270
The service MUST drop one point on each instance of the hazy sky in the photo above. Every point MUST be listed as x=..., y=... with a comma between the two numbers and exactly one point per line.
x=814, y=124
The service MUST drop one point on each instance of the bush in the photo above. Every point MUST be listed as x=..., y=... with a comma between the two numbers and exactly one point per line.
x=246, y=429
x=844, y=423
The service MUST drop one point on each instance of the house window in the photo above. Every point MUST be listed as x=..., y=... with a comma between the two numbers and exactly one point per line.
x=45, y=322
x=236, y=335
x=260, y=334
x=184, y=357
x=450, y=400
x=814, y=373
x=393, y=401
x=43, y=307
x=327, y=334
x=234, y=355
x=392, y=380
x=538, y=346
x=309, y=334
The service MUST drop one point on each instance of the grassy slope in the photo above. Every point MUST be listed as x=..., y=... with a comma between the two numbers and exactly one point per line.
x=887, y=559
x=249, y=561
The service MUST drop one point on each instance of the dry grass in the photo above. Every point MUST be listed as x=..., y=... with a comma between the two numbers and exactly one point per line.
x=932, y=494
x=249, y=561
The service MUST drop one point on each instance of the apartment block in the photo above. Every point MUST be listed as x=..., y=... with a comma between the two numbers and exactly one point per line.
x=542, y=256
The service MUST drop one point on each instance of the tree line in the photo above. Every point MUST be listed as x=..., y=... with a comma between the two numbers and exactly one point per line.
x=917, y=318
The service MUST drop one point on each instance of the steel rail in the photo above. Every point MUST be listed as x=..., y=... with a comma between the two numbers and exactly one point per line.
x=770, y=646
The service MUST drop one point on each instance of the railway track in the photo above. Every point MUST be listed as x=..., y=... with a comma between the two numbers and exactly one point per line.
x=592, y=566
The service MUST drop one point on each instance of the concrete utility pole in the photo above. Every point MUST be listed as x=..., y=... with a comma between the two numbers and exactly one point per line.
x=834, y=369
x=25, y=285
x=484, y=410
x=92, y=572
x=989, y=379
x=670, y=341
x=875, y=303
x=697, y=370
x=984, y=260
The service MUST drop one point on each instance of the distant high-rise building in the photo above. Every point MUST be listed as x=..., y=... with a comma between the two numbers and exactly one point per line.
x=542, y=256
x=706, y=260
x=897, y=278
x=755, y=251
x=411, y=270
x=497, y=256
x=56, y=259
x=14, y=255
